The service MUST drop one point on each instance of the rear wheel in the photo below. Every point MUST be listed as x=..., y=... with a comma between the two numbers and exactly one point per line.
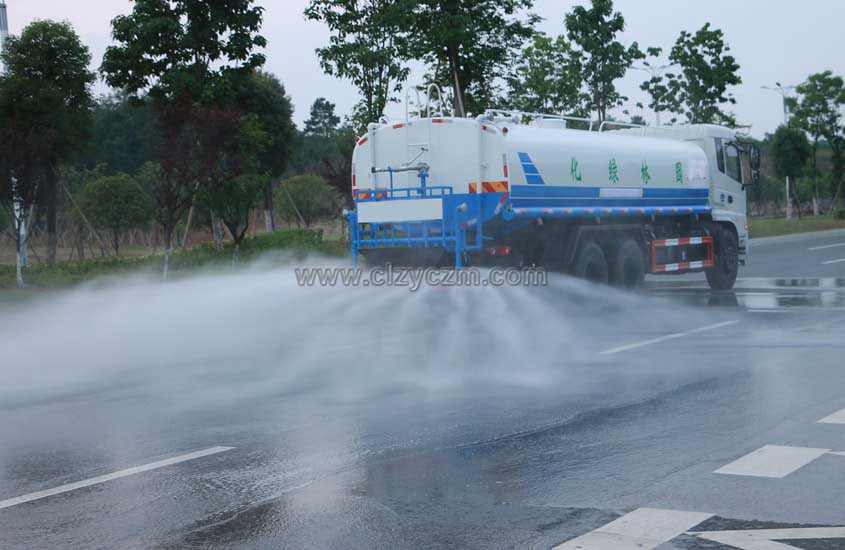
x=722, y=275
x=590, y=263
x=627, y=265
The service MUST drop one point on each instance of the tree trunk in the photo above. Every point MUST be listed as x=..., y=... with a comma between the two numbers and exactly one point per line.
x=116, y=243
x=815, y=179
x=236, y=254
x=460, y=110
x=52, y=209
x=168, y=250
x=216, y=233
x=269, y=214
x=20, y=244
x=80, y=241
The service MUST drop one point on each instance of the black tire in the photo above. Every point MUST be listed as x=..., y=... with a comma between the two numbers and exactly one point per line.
x=722, y=275
x=627, y=265
x=590, y=263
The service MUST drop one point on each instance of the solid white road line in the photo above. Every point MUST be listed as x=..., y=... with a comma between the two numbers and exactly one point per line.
x=764, y=539
x=826, y=246
x=672, y=336
x=833, y=261
x=773, y=461
x=836, y=418
x=642, y=529
x=108, y=477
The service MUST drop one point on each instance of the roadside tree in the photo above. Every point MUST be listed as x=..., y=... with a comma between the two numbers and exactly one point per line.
x=603, y=59
x=116, y=204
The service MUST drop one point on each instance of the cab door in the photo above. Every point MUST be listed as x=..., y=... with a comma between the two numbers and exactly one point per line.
x=728, y=192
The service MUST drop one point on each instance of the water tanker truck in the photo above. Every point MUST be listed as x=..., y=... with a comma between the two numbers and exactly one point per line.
x=599, y=201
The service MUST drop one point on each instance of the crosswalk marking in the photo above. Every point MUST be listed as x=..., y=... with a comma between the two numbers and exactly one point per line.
x=642, y=529
x=774, y=461
x=764, y=539
x=836, y=418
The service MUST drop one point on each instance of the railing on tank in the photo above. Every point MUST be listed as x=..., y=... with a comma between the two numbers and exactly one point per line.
x=526, y=117
x=430, y=92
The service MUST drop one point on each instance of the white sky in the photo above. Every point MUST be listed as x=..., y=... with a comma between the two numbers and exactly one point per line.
x=773, y=40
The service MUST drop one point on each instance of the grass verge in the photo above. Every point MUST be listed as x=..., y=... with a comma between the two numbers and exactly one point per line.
x=773, y=227
x=183, y=262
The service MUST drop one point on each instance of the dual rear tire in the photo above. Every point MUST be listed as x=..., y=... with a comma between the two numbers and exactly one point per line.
x=622, y=264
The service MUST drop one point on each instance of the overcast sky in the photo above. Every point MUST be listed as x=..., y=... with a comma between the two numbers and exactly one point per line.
x=772, y=40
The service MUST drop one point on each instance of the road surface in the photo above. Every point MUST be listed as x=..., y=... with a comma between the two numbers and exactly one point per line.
x=569, y=415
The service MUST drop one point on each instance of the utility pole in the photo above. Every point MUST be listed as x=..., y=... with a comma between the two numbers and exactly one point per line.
x=784, y=92
x=4, y=24
x=655, y=72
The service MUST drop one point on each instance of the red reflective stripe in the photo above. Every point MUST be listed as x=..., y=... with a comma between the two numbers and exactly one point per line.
x=437, y=121
x=362, y=141
x=397, y=126
x=506, y=170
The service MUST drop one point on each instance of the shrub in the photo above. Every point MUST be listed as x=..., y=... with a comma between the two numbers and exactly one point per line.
x=116, y=203
x=305, y=198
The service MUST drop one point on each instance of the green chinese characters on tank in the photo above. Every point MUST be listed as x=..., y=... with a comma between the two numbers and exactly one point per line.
x=613, y=171
x=644, y=173
x=679, y=172
x=574, y=170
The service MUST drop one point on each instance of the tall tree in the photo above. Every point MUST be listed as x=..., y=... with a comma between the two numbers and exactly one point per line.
x=322, y=120
x=593, y=31
x=700, y=88
x=184, y=54
x=547, y=78
x=818, y=111
x=367, y=47
x=790, y=151
x=47, y=93
x=230, y=144
x=468, y=44
x=264, y=96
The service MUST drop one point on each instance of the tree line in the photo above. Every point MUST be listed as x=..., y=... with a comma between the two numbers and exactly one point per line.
x=195, y=132
x=488, y=53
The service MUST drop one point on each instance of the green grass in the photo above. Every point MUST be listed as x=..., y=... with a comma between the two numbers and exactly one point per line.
x=772, y=227
x=277, y=246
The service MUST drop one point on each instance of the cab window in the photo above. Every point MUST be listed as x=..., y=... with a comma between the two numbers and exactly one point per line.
x=733, y=162
x=728, y=159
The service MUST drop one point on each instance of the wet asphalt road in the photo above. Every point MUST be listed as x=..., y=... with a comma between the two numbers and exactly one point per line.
x=469, y=435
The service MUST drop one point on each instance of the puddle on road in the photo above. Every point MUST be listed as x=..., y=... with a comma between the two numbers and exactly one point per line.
x=758, y=293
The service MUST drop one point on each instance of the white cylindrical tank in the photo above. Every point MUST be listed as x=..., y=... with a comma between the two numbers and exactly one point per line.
x=528, y=159
x=543, y=156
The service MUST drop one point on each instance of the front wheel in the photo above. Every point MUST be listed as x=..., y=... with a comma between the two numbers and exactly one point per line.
x=722, y=275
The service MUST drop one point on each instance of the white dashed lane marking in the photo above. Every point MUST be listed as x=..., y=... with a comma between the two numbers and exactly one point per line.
x=642, y=529
x=773, y=461
x=833, y=261
x=108, y=477
x=664, y=338
x=836, y=418
x=826, y=246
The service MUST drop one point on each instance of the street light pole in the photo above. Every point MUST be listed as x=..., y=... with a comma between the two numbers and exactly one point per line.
x=784, y=92
x=655, y=72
